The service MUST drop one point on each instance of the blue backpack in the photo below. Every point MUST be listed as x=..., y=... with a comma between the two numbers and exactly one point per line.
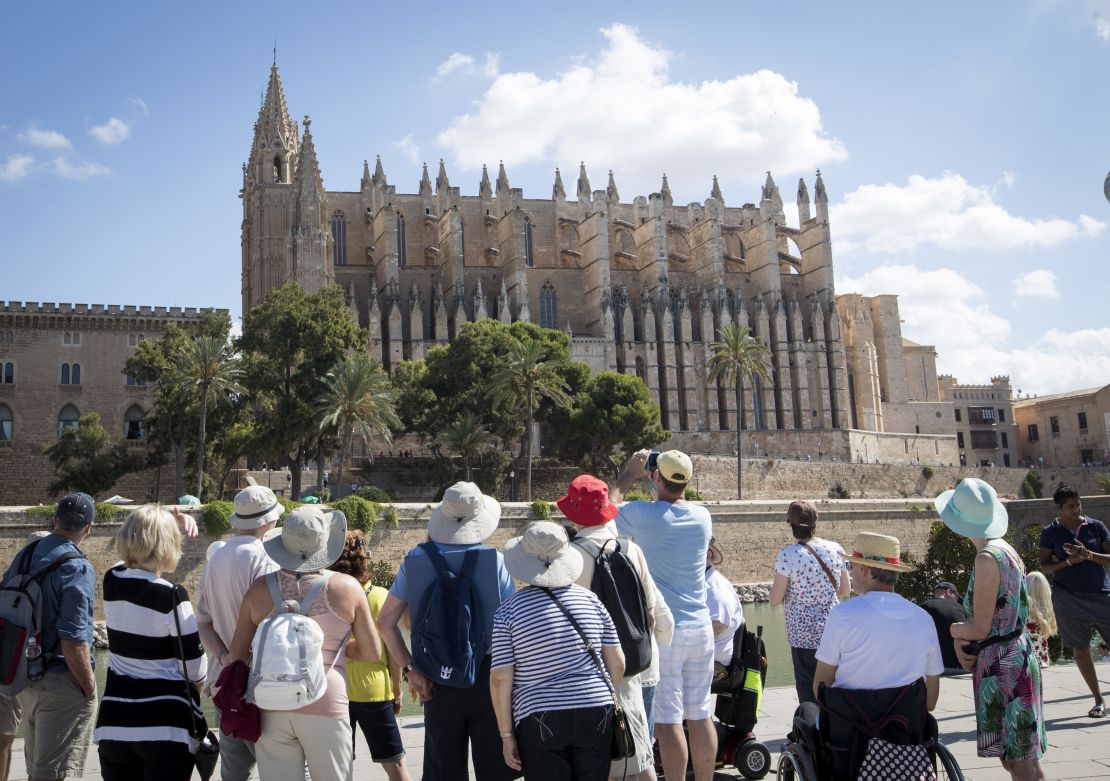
x=448, y=648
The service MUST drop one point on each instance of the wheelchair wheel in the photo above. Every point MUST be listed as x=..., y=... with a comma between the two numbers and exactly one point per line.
x=947, y=768
x=795, y=765
x=752, y=759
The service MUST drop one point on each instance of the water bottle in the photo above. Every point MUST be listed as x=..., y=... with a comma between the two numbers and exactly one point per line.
x=35, y=667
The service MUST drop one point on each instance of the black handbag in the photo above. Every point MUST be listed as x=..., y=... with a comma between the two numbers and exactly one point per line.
x=208, y=745
x=624, y=746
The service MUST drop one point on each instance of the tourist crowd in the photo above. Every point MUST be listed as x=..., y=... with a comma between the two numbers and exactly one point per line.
x=612, y=641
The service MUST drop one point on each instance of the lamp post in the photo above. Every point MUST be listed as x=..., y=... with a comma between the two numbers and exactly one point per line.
x=512, y=485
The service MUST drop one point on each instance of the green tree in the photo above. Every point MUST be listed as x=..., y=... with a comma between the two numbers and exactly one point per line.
x=528, y=375
x=291, y=340
x=207, y=368
x=736, y=356
x=87, y=458
x=467, y=438
x=612, y=415
x=357, y=398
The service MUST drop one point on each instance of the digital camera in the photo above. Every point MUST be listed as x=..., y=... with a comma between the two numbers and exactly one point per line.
x=653, y=461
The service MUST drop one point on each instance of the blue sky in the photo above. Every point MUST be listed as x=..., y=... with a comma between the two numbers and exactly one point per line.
x=964, y=145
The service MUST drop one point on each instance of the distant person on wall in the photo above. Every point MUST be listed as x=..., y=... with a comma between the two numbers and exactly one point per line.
x=810, y=580
x=945, y=609
x=1075, y=550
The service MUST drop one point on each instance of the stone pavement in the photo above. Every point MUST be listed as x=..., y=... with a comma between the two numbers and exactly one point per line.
x=1078, y=747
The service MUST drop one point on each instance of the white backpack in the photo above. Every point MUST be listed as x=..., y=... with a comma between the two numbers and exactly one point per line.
x=288, y=670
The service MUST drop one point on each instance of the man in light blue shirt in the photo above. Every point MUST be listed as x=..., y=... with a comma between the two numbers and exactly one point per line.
x=674, y=536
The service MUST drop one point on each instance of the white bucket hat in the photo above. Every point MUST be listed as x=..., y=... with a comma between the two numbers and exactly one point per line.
x=255, y=505
x=972, y=510
x=543, y=556
x=311, y=539
x=465, y=516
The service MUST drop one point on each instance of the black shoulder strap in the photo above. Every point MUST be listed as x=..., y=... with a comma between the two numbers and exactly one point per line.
x=26, y=554
x=589, y=546
x=590, y=650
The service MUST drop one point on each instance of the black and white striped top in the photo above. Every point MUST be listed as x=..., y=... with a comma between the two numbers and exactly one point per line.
x=144, y=697
x=552, y=668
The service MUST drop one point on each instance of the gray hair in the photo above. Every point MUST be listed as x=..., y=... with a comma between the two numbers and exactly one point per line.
x=887, y=577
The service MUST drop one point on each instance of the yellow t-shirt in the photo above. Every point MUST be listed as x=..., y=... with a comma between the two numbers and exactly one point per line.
x=369, y=681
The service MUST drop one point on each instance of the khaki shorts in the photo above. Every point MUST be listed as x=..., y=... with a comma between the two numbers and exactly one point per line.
x=57, y=726
x=10, y=715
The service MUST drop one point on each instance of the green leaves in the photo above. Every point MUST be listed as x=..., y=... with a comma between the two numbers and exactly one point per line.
x=87, y=458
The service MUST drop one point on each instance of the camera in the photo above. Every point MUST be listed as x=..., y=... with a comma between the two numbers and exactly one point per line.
x=652, y=461
x=972, y=648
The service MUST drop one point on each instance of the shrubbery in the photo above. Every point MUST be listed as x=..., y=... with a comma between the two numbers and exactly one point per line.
x=692, y=495
x=373, y=494
x=362, y=514
x=838, y=491
x=105, y=513
x=1031, y=486
x=542, y=509
x=214, y=516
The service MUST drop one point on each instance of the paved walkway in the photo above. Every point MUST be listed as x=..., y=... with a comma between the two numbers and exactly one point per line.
x=1079, y=747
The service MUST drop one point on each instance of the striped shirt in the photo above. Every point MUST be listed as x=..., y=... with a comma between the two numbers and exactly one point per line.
x=144, y=696
x=552, y=670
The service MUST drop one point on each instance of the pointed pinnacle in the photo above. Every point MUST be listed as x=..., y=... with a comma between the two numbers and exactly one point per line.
x=557, y=190
x=715, y=192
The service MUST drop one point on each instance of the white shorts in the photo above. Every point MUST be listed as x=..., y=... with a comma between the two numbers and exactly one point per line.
x=685, y=675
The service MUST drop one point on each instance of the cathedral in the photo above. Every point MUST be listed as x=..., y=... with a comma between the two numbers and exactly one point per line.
x=639, y=286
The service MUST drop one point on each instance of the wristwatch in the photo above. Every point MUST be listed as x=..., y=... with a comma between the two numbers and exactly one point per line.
x=405, y=671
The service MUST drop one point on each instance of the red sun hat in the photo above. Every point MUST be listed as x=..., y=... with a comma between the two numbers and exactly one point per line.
x=587, y=502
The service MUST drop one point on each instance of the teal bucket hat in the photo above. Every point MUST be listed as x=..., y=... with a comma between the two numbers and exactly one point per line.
x=972, y=509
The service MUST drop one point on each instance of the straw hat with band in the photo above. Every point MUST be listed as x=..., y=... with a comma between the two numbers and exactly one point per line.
x=880, y=551
x=543, y=556
x=465, y=516
x=255, y=506
x=714, y=555
x=311, y=539
x=972, y=510
x=586, y=502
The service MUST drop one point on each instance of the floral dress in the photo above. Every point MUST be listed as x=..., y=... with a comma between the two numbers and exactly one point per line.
x=1040, y=643
x=1007, y=676
x=810, y=595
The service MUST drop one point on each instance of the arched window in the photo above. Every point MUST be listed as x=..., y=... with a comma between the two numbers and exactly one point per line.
x=75, y=374
x=549, y=309
x=9, y=373
x=5, y=423
x=401, y=259
x=132, y=340
x=67, y=339
x=277, y=169
x=641, y=370
x=339, y=238
x=529, y=256
x=65, y=374
x=68, y=418
x=133, y=423
x=137, y=381
x=76, y=337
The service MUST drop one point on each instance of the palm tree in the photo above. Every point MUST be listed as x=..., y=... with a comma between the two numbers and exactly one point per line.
x=737, y=355
x=466, y=437
x=357, y=398
x=528, y=374
x=207, y=365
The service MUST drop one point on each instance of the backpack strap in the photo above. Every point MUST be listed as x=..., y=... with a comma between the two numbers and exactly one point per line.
x=275, y=590
x=55, y=563
x=27, y=554
x=434, y=556
x=589, y=546
x=314, y=591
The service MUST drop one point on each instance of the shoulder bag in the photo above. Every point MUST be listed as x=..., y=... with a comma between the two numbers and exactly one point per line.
x=208, y=745
x=623, y=744
x=821, y=561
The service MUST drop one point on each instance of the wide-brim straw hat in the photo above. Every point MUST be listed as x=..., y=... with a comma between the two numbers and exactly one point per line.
x=880, y=551
x=586, y=502
x=714, y=555
x=311, y=539
x=972, y=509
x=466, y=516
x=543, y=556
x=255, y=506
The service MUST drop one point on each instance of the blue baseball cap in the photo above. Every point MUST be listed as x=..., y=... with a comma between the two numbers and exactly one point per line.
x=76, y=507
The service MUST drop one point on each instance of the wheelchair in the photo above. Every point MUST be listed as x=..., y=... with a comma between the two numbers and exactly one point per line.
x=828, y=741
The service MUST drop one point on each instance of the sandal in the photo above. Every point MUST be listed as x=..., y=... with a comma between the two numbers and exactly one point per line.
x=1098, y=711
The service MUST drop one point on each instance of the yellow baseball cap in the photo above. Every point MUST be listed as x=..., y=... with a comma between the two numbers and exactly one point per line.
x=675, y=466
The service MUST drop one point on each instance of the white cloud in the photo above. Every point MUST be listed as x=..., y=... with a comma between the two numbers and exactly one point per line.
x=138, y=106
x=16, y=167
x=1037, y=284
x=468, y=66
x=1100, y=17
x=409, y=148
x=945, y=309
x=114, y=131
x=623, y=110
x=47, y=139
x=947, y=212
x=78, y=170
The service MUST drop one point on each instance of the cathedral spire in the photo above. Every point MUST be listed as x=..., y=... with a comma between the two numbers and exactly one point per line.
x=275, y=141
x=716, y=191
x=425, y=183
x=485, y=189
x=803, y=201
x=366, y=181
x=611, y=193
x=502, y=179
x=583, y=182
x=769, y=187
x=819, y=194
x=442, y=183
x=379, y=173
x=558, y=192
x=308, y=184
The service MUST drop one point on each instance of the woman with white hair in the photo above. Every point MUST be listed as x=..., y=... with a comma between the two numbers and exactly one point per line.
x=150, y=717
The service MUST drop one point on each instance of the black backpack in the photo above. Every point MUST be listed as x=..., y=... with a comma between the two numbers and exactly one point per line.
x=618, y=586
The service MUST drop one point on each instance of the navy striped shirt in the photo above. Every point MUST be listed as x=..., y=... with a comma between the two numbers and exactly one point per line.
x=552, y=670
x=144, y=696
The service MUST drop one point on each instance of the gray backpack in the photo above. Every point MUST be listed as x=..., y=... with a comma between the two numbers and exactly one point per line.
x=22, y=656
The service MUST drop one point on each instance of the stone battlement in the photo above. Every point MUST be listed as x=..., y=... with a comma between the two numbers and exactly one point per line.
x=109, y=310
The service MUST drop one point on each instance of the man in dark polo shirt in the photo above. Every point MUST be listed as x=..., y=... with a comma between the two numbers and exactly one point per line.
x=1075, y=551
x=945, y=609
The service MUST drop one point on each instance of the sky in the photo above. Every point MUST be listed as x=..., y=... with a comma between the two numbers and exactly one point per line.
x=964, y=146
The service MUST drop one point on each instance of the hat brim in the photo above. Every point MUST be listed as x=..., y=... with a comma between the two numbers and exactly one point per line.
x=470, y=529
x=587, y=516
x=715, y=555
x=999, y=523
x=876, y=564
x=247, y=524
x=561, y=572
x=321, y=559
